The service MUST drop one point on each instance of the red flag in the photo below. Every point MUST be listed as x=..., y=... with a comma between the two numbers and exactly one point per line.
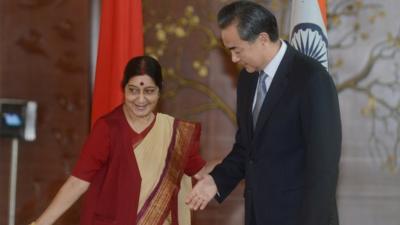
x=322, y=7
x=121, y=38
x=308, y=29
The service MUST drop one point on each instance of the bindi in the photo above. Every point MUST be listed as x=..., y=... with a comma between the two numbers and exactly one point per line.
x=141, y=83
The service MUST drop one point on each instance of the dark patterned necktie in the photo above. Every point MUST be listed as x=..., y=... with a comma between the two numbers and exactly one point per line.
x=260, y=96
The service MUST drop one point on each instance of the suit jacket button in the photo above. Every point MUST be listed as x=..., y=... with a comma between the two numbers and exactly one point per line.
x=251, y=162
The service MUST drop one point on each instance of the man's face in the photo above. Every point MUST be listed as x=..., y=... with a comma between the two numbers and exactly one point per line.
x=247, y=54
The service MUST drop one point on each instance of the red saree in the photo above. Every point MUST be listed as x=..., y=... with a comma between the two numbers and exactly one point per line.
x=107, y=162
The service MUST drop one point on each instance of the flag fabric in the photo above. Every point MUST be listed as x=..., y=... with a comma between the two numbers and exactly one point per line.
x=308, y=29
x=120, y=39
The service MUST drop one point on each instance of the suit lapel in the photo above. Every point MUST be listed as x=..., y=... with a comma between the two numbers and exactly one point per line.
x=277, y=88
x=249, y=103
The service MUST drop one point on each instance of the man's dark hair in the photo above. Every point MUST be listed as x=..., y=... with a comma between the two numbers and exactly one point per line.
x=251, y=18
x=143, y=65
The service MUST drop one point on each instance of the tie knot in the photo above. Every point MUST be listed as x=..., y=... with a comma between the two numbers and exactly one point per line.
x=263, y=76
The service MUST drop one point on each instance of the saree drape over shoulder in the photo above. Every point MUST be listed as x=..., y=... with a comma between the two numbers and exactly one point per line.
x=138, y=178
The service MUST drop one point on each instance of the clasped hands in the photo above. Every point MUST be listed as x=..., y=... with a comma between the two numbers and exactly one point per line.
x=202, y=192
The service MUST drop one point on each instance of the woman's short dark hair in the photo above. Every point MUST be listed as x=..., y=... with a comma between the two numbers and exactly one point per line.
x=143, y=65
x=251, y=18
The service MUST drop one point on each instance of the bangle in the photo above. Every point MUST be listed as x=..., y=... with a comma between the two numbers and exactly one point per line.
x=33, y=223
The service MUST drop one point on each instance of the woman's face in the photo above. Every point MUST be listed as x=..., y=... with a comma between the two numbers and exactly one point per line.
x=141, y=95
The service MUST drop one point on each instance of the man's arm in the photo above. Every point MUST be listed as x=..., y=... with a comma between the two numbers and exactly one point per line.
x=229, y=173
x=226, y=175
x=322, y=131
x=232, y=169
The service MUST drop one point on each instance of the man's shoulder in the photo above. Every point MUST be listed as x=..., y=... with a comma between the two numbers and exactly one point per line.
x=304, y=69
x=302, y=62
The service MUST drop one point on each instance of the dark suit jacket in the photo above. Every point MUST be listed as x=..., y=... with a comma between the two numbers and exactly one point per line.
x=290, y=161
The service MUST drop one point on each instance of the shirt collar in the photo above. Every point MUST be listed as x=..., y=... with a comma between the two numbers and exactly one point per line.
x=272, y=66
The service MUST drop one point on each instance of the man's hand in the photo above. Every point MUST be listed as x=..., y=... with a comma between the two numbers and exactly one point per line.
x=202, y=193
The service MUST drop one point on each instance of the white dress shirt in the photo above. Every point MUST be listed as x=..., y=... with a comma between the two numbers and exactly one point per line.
x=272, y=67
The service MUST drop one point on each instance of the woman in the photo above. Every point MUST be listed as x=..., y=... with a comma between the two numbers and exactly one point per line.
x=134, y=164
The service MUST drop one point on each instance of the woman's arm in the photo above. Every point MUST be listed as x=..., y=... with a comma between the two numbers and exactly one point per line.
x=72, y=189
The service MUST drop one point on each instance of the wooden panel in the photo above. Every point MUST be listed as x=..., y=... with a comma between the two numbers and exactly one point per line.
x=44, y=57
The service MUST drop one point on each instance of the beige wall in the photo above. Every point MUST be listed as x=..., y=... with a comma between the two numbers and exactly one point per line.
x=364, y=58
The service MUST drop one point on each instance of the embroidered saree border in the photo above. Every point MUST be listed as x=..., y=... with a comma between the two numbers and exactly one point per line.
x=158, y=205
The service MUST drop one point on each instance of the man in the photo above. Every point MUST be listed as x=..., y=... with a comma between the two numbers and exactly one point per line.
x=288, y=142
